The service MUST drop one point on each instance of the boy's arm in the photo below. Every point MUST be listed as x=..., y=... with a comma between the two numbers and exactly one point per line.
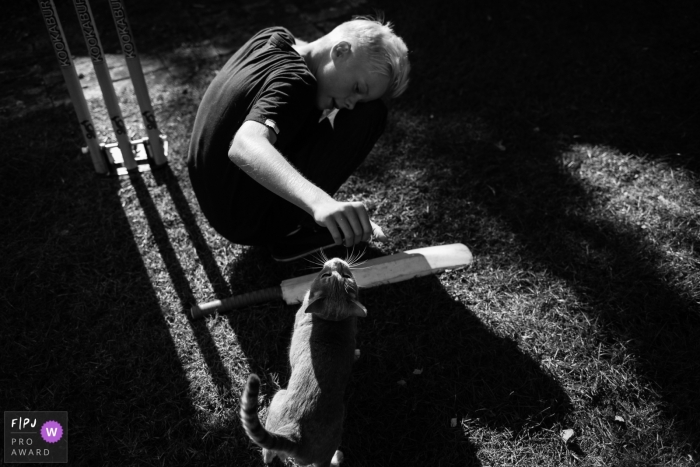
x=254, y=152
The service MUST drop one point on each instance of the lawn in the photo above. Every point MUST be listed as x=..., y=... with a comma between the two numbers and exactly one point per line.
x=557, y=140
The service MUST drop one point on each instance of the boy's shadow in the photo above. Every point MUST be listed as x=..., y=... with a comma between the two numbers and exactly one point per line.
x=467, y=377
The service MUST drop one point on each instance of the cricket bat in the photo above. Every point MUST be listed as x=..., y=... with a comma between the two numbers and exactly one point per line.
x=374, y=272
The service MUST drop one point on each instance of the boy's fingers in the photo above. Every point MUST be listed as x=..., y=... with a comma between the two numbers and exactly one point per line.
x=350, y=227
x=366, y=224
x=355, y=219
x=345, y=228
x=335, y=233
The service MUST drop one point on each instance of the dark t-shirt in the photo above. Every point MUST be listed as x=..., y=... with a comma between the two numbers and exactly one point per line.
x=266, y=81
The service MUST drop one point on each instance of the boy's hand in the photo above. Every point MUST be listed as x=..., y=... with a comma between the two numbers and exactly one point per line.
x=349, y=221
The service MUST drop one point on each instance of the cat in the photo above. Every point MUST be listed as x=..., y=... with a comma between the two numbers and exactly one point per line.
x=305, y=421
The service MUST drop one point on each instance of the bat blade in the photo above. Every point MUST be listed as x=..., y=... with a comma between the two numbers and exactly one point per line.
x=374, y=272
x=391, y=269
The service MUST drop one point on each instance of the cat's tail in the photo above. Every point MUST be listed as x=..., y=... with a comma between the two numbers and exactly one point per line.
x=251, y=422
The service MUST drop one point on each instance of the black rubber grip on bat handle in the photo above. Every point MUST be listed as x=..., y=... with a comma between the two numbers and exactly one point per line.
x=237, y=301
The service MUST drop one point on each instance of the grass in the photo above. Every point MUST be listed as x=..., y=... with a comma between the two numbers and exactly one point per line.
x=558, y=141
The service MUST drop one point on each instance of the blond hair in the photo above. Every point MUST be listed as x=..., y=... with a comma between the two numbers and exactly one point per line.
x=387, y=52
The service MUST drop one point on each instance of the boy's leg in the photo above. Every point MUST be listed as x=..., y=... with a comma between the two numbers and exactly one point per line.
x=334, y=154
x=327, y=155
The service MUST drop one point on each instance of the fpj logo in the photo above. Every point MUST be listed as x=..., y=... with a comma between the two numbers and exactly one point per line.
x=38, y=437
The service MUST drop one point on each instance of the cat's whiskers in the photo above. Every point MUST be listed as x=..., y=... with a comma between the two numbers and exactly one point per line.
x=317, y=260
x=354, y=258
x=315, y=263
x=352, y=255
x=354, y=266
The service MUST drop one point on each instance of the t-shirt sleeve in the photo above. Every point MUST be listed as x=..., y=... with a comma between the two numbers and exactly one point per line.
x=284, y=105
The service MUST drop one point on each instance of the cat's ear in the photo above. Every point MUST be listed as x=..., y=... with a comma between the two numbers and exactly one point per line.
x=315, y=305
x=358, y=309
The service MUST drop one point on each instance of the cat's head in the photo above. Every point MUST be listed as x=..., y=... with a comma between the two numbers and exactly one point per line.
x=334, y=293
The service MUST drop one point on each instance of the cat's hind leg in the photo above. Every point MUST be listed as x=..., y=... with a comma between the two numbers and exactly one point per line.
x=338, y=458
x=268, y=456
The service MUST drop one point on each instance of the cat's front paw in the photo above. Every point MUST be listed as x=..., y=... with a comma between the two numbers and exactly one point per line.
x=337, y=458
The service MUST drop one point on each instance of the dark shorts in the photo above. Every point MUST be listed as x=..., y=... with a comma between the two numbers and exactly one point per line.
x=325, y=155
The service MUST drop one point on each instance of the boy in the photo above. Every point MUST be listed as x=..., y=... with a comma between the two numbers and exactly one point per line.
x=283, y=125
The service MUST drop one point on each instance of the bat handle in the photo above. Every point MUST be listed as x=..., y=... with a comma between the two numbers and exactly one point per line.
x=237, y=301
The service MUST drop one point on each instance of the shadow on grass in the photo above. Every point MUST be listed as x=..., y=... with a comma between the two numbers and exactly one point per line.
x=189, y=222
x=177, y=275
x=620, y=278
x=426, y=360
x=553, y=221
x=82, y=327
x=605, y=73
x=540, y=77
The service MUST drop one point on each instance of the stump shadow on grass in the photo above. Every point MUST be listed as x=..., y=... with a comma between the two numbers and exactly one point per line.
x=178, y=277
x=87, y=331
x=468, y=372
